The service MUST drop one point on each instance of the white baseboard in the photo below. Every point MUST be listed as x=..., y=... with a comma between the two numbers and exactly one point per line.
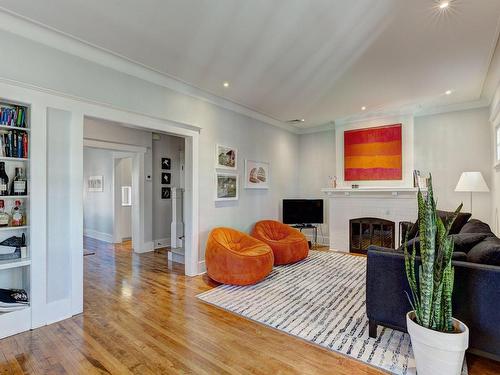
x=161, y=243
x=146, y=247
x=106, y=237
x=202, y=267
x=322, y=240
x=174, y=257
x=57, y=311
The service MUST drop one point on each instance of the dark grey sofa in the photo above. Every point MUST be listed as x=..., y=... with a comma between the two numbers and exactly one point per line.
x=476, y=293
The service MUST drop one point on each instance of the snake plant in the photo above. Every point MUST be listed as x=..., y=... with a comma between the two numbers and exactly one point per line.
x=432, y=289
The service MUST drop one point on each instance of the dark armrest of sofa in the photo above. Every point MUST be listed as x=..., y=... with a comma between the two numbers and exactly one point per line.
x=386, y=284
x=476, y=297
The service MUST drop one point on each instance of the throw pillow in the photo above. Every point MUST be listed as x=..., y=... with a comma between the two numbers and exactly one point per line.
x=476, y=226
x=466, y=241
x=486, y=252
x=459, y=222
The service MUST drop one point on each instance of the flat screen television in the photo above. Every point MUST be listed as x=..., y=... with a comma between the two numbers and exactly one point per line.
x=303, y=211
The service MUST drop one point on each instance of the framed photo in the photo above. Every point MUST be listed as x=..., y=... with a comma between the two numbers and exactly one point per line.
x=165, y=193
x=226, y=187
x=256, y=174
x=226, y=157
x=166, y=163
x=95, y=183
x=166, y=178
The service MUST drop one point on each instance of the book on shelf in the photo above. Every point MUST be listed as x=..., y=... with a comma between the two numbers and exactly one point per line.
x=13, y=116
x=14, y=144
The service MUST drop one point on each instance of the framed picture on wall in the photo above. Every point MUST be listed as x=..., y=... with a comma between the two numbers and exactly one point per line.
x=256, y=174
x=166, y=178
x=166, y=163
x=226, y=187
x=95, y=183
x=165, y=193
x=226, y=157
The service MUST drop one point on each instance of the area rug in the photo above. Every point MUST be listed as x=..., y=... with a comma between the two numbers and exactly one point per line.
x=320, y=300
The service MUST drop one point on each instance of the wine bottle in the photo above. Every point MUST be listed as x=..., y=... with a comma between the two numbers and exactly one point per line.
x=19, y=183
x=4, y=216
x=4, y=180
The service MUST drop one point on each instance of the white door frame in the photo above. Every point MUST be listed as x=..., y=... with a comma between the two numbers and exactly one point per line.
x=40, y=99
x=137, y=155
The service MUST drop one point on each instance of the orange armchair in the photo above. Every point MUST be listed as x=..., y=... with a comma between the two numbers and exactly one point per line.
x=233, y=257
x=288, y=244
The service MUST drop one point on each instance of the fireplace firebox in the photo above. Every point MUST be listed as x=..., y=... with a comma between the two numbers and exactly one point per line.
x=367, y=231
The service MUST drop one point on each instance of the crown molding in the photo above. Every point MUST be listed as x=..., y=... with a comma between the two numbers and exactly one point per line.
x=473, y=104
x=317, y=129
x=25, y=27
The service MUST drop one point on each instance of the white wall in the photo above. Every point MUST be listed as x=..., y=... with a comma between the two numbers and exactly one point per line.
x=53, y=69
x=95, y=129
x=316, y=163
x=444, y=144
x=495, y=178
x=167, y=147
x=450, y=143
x=98, y=206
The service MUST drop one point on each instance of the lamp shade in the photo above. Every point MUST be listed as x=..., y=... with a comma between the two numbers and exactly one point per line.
x=472, y=182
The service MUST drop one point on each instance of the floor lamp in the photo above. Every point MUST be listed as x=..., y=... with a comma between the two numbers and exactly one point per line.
x=472, y=182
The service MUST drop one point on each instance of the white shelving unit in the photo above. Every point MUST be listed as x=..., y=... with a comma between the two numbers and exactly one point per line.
x=16, y=273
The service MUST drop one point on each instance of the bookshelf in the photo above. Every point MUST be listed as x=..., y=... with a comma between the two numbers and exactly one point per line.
x=14, y=153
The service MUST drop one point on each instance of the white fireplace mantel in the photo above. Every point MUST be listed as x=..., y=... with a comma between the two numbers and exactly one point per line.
x=390, y=203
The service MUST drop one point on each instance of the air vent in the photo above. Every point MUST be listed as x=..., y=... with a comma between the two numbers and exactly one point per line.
x=296, y=121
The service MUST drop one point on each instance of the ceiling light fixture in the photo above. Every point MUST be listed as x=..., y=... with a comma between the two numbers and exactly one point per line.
x=225, y=84
x=444, y=4
x=363, y=108
x=447, y=92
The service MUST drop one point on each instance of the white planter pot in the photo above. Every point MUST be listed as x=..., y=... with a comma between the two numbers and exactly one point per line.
x=438, y=352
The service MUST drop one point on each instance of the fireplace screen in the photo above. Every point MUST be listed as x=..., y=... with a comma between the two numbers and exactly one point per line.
x=367, y=231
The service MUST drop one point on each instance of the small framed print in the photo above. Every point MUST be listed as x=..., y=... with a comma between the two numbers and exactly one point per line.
x=165, y=193
x=166, y=163
x=166, y=178
x=226, y=157
x=95, y=183
x=256, y=174
x=226, y=187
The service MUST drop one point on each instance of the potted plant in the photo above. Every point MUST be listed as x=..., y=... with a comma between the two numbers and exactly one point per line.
x=439, y=341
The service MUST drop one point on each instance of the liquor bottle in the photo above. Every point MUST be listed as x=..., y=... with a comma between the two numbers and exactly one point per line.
x=19, y=183
x=4, y=180
x=17, y=217
x=4, y=216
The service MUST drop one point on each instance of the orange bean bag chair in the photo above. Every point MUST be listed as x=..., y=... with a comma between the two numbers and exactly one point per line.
x=233, y=257
x=288, y=244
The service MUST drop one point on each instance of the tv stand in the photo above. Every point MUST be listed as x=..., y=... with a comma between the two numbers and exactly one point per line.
x=314, y=227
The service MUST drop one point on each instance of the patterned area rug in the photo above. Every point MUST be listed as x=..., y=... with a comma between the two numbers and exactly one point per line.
x=321, y=300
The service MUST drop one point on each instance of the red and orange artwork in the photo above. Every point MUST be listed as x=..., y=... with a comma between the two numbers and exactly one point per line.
x=373, y=153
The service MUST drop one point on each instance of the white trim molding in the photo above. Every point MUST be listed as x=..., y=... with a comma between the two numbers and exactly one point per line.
x=95, y=234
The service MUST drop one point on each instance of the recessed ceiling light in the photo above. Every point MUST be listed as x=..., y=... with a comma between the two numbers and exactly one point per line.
x=225, y=84
x=447, y=92
x=363, y=108
x=302, y=120
x=444, y=4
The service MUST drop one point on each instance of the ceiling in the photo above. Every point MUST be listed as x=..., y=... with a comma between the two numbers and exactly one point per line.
x=321, y=60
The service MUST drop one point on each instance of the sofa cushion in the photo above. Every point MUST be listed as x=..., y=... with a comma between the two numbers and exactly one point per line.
x=458, y=255
x=466, y=241
x=486, y=252
x=459, y=222
x=475, y=226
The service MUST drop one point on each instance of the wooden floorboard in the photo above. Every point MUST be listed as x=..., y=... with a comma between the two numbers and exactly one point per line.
x=141, y=316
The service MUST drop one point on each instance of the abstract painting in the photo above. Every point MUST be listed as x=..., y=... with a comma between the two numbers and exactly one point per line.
x=373, y=153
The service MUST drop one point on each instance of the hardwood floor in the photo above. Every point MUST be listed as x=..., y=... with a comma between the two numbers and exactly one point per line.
x=141, y=316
